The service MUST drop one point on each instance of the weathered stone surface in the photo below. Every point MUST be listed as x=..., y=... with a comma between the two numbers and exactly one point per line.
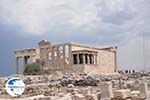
x=122, y=93
x=91, y=97
x=143, y=89
x=78, y=97
x=106, y=90
x=43, y=87
x=83, y=81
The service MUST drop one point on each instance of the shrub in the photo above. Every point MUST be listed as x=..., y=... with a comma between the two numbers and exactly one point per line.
x=135, y=87
x=34, y=68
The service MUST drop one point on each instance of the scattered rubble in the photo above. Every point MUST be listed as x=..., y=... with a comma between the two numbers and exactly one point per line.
x=82, y=87
x=82, y=81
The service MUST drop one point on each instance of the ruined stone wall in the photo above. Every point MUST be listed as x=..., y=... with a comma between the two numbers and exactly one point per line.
x=58, y=58
x=78, y=68
x=36, y=55
x=45, y=48
x=105, y=63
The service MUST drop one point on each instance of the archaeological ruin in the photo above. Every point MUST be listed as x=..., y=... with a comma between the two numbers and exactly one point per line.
x=70, y=57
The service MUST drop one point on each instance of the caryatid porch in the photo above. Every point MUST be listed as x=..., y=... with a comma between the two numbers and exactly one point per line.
x=84, y=57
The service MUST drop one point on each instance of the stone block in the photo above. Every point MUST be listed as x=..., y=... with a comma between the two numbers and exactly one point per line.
x=106, y=90
x=98, y=94
x=91, y=97
x=122, y=93
x=78, y=97
x=143, y=87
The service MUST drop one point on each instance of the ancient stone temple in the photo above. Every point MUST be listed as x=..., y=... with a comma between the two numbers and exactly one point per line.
x=70, y=57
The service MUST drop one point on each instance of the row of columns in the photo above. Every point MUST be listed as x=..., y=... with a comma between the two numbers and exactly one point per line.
x=85, y=58
x=25, y=62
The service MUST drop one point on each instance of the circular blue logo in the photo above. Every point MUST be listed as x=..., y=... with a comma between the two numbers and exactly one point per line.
x=15, y=86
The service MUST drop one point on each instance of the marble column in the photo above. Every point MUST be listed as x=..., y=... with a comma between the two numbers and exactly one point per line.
x=25, y=61
x=31, y=59
x=24, y=64
x=95, y=58
x=84, y=59
x=92, y=58
x=78, y=60
x=88, y=59
x=17, y=58
x=115, y=54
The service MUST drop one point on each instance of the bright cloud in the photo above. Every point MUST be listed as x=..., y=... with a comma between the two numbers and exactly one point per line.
x=43, y=16
x=101, y=17
x=107, y=21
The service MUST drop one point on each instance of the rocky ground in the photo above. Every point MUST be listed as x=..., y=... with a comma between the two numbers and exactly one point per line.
x=82, y=87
